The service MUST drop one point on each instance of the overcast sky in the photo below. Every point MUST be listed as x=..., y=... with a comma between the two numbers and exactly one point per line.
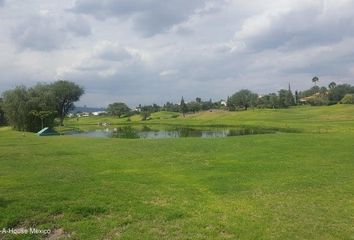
x=153, y=51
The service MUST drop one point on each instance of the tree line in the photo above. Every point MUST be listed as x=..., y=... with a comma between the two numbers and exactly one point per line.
x=120, y=109
x=31, y=109
x=245, y=99
x=315, y=96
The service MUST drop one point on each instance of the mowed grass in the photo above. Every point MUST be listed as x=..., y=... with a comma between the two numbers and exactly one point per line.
x=276, y=186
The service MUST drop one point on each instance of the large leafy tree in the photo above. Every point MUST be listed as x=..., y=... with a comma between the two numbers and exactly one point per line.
x=2, y=113
x=66, y=93
x=16, y=107
x=30, y=109
x=286, y=98
x=118, y=109
x=194, y=106
x=243, y=99
x=42, y=106
x=268, y=101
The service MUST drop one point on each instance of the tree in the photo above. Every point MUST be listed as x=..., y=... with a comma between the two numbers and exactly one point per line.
x=274, y=100
x=155, y=107
x=42, y=115
x=194, y=106
x=207, y=105
x=230, y=105
x=243, y=99
x=297, y=99
x=268, y=101
x=286, y=98
x=323, y=91
x=66, y=93
x=30, y=109
x=16, y=107
x=290, y=96
x=145, y=112
x=309, y=92
x=332, y=85
x=337, y=93
x=118, y=109
x=183, y=107
x=42, y=107
x=171, y=107
x=315, y=80
x=2, y=114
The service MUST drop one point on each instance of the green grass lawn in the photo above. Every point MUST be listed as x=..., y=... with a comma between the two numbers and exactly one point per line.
x=276, y=186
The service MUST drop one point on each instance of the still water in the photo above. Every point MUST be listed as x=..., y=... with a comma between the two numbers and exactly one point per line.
x=149, y=132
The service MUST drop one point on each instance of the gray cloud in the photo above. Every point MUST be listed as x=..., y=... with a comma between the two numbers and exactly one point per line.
x=2, y=3
x=110, y=51
x=44, y=32
x=149, y=16
x=38, y=33
x=79, y=26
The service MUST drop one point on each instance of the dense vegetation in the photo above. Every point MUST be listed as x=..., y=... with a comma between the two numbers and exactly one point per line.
x=30, y=109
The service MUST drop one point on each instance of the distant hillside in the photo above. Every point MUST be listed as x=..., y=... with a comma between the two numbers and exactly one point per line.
x=87, y=109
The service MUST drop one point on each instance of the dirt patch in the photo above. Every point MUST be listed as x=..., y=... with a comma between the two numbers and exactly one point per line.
x=58, y=234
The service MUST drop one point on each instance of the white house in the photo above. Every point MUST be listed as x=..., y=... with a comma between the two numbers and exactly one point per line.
x=223, y=103
x=98, y=113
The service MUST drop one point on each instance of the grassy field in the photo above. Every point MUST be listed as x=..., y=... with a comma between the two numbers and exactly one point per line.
x=276, y=186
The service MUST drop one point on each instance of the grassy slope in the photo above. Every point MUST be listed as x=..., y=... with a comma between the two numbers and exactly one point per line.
x=283, y=186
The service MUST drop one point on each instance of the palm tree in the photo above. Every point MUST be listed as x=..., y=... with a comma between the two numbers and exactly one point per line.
x=315, y=80
x=332, y=85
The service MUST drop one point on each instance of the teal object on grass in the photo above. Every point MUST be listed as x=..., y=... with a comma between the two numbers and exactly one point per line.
x=47, y=132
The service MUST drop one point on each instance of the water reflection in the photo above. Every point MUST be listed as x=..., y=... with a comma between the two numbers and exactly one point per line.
x=157, y=132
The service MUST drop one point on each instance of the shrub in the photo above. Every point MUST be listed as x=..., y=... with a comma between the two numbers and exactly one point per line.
x=348, y=99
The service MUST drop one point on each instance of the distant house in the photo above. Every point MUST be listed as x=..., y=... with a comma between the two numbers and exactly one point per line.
x=83, y=114
x=98, y=113
x=223, y=103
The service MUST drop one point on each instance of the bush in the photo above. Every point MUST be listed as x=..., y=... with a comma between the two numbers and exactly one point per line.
x=348, y=99
x=318, y=100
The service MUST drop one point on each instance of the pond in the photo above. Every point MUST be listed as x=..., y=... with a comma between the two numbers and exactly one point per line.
x=157, y=132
